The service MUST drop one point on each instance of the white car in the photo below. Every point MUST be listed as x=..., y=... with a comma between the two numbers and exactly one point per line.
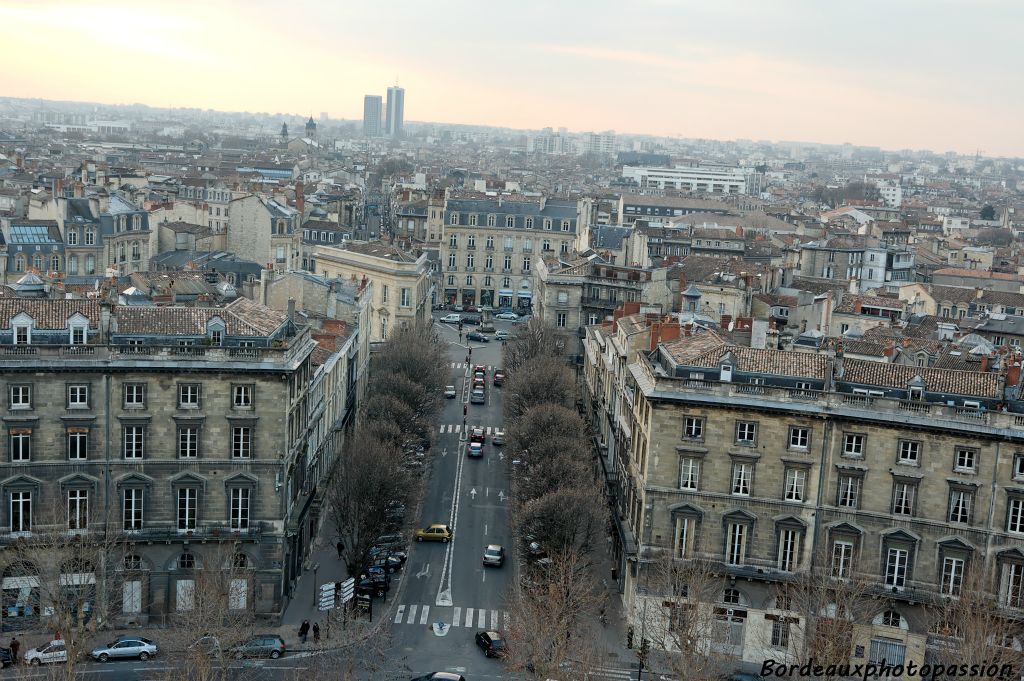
x=54, y=651
x=510, y=316
x=452, y=318
x=449, y=391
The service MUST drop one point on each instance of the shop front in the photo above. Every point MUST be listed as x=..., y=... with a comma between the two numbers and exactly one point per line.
x=468, y=296
x=450, y=296
x=505, y=297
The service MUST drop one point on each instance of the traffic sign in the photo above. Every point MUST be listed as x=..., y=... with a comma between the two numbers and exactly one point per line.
x=348, y=588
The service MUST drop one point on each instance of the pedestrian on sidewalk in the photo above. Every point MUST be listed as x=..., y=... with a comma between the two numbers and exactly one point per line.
x=15, y=647
x=304, y=630
x=316, y=632
x=341, y=547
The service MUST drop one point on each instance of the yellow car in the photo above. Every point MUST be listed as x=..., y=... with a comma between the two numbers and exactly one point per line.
x=436, y=532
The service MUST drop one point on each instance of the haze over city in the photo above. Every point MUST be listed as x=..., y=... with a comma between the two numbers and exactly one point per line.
x=912, y=74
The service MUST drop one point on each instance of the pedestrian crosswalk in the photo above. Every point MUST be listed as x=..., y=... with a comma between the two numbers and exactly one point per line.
x=458, y=616
x=457, y=428
x=463, y=365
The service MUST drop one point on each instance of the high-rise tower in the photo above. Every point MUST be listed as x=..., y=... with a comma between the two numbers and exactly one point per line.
x=396, y=111
x=371, y=115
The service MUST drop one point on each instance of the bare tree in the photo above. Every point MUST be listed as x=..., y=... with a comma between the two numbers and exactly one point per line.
x=72, y=573
x=551, y=616
x=681, y=613
x=368, y=476
x=821, y=608
x=571, y=519
x=530, y=341
x=969, y=627
x=550, y=427
x=547, y=380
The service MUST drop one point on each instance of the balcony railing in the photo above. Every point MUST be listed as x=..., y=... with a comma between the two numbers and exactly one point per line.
x=877, y=405
x=20, y=354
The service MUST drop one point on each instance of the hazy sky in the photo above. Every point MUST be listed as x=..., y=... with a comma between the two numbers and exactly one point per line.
x=936, y=74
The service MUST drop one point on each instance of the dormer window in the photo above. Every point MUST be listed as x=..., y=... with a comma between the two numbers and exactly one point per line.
x=22, y=335
x=916, y=393
x=78, y=335
x=216, y=337
x=137, y=222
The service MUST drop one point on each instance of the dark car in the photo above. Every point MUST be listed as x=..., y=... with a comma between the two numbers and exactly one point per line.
x=478, y=337
x=499, y=377
x=6, y=657
x=471, y=319
x=389, y=564
x=377, y=552
x=396, y=540
x=374, y=584
x=440, y=676
x=491, y=643
x=261, y=645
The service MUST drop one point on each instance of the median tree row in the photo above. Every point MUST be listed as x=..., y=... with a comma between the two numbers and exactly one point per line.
x=379, y=468
x=558, y=510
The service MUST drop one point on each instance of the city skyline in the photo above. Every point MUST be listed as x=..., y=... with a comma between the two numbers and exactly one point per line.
x=791, y=71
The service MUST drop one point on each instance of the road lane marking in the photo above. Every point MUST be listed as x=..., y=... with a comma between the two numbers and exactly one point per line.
x=469, y=618
x=481, y=620
x=444, y=589
x=398, y=615
x=508, y=620
x=424, y=614
x=412, y=614
x=494, y=619
x=455, y=617
x=485, y=528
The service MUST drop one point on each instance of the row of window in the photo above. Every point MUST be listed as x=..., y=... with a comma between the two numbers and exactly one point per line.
x=506, y=282
x=742, y=479
x=122, y=224
x=854, y=445
x=134, y=394
x=38, y=263
x=187, y=503
x=488, y=262
x=510, y=221
x=323, y=237
x=133, y=442
x=405, y=299
x=453, y=243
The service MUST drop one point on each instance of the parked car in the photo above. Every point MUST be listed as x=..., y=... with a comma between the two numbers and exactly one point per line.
x=261, y=645
x=7, y=657
x=440, y=676
x=206, y=645
x=499, y=378
x=494, y=555
x=377, y=552
x=387, y=564
x=510, y=316
x=449, y=391
x=436, y=532
x=475, y=450
x=125, y=646
x=491, y=643
x=469, y=308
x=502, y=335
x=374, y=583
x=498, y=437
x=453, y=318
x=471, y=319
x=478, y=337
x=53, y=651
x=477, y=397
x=394, y=539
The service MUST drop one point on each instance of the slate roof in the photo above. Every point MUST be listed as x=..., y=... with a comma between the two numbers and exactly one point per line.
x=242, y=317
x=949, y=381
x=48, y=314
x=848, y=303
x=961, y=294
x=608, y=236
x=378, y=249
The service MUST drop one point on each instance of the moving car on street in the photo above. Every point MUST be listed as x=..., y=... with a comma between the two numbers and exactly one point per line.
x=440, y=676
x=499, y=378
x=475, y=450
x=498, y=437
x=478, y=337
x=125, y=646
x=491, y=643
x=53, y=651
x=449, y=391
x=502, y=335
x=260, y=645
x=477, y=397
x=436, y=532
x=453, y=318
x=494, y=555
x=509, y=316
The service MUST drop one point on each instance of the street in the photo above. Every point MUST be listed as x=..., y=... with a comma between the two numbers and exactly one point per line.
x=447, y=583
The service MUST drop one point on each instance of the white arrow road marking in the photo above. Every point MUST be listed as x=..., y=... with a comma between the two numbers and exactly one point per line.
x=501, y=456
x=472, y=493
x=501, y=495
x=444, y=452
x=425, y=572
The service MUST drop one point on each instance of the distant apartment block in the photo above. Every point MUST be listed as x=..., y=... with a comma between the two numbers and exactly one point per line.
x=371, y=115
x=706, y=180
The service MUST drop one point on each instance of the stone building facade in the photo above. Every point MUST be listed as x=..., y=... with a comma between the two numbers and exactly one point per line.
x=176, y=430
x=772, y=465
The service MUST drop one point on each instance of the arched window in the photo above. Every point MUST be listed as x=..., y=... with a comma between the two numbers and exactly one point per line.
x=132, y=561
x=187, y=561
x=37, y=262
x=731, y=596
x=137, y=222
x=240, y=561
x=90, y=236
x=136, y=253
x=123, y=253
x=890, y=618
x=55, y=263
x=19, y=264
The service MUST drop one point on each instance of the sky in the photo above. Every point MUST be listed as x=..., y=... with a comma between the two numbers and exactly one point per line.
x=944, y=75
